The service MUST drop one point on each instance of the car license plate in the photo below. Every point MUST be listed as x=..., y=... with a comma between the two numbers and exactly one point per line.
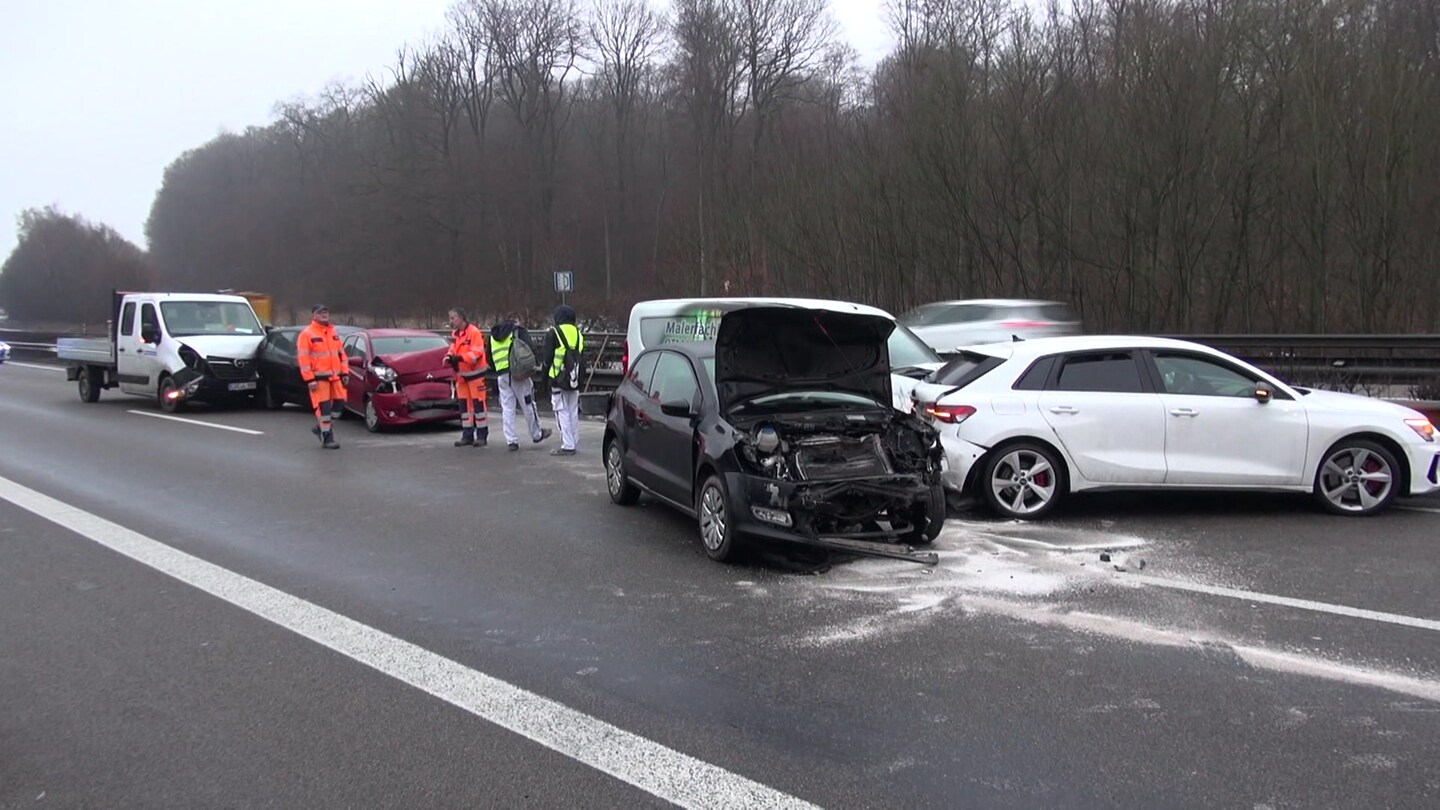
x=245, y=386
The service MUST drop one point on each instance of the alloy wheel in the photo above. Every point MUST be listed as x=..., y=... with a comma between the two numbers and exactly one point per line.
x=1023, y=481
x=712, y=518
x=1356, y=479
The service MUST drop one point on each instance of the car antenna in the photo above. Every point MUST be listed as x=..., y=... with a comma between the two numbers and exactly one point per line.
x=1016, y=339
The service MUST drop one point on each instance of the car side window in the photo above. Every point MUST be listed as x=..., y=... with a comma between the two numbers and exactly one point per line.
x=1199, y=376
x=641, y=372
x=353, y=348
x=674, y=380
x=127, y=319
x=1108, y=372
x=1035, y=377
x=149, y=320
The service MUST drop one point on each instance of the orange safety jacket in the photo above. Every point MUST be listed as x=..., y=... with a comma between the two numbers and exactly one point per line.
x=468, y=344
x=320, y=353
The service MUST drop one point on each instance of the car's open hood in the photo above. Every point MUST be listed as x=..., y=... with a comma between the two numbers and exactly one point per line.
x=429, y=360
x=231, y=347
x=770, y=350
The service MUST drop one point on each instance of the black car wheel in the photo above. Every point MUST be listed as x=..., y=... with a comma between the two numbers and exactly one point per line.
x=89, y=386
x=717, y=531
x=372, y=416
x=168, y=403
x=928, y=518
x=1023, y=481
x=621, y=490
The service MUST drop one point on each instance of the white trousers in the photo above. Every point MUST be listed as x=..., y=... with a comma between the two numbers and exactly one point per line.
x=519, y=394
x=567, y=413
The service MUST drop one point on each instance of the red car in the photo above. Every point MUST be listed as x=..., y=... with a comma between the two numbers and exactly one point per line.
x=399, y=377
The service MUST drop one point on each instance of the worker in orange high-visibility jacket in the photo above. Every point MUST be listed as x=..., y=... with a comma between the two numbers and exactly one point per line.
x=323, y=368
x=467, y=357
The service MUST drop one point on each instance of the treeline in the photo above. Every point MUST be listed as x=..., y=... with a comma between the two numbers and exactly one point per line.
x=1164, y=165
x=64, y=268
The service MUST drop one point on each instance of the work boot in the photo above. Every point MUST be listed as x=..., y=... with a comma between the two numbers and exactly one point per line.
x=467, y=438
x=315, y=429
x=512, y=447
x=330, y=443
x=482, y=437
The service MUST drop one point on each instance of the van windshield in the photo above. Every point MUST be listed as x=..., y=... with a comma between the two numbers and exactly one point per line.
x=189, y=318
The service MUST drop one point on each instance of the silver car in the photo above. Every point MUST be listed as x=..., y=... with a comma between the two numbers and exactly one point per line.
x=951, y=325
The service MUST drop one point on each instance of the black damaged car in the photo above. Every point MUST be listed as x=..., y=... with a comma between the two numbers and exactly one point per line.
x=781, y=429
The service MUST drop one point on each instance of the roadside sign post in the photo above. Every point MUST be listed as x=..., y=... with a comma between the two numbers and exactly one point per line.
x=564, y=283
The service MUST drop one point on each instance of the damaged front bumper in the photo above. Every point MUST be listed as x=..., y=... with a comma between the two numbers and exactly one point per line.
x=808, y=512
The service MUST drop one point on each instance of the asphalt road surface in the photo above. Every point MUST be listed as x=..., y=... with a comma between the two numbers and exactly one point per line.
x=219, y=612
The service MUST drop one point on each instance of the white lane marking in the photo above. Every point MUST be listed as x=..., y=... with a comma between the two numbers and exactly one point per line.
x=649, y=766
x=246, y=431
x=32, y=365
x=1419, y=509
x=1271, y=599
x=1276, y=661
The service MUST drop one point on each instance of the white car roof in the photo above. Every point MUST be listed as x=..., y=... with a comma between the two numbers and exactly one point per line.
x=662, y=305
x=993, y=302
x=1024, y=349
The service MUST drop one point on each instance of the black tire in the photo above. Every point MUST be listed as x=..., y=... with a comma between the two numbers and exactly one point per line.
x=270, y=400
x=1364, y=479
x=1036, y=492
x=168, y=405
x=717, y=529
x=89, y=386
x=621, y=490
x=928, y=518
x=372, y=416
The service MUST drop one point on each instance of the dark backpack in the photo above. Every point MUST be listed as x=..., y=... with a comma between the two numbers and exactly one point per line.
x=570, y=368
x=522, y=358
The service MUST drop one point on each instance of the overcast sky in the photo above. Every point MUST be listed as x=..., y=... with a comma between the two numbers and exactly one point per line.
x=101, y=95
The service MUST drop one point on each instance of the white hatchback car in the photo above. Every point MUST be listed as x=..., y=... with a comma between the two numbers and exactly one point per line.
x=1026, y=423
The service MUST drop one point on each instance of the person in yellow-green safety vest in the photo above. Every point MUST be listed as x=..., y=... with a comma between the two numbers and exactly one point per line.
x=512, y=355
x=563, y=345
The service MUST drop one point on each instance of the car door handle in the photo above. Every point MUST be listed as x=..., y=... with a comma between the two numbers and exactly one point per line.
x=1184, y=412
x=1064, y=409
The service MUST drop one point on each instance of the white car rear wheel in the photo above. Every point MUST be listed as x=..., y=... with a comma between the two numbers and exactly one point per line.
x=1023, y=480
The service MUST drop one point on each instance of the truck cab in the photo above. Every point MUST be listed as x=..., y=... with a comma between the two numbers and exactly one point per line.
x=173, y=347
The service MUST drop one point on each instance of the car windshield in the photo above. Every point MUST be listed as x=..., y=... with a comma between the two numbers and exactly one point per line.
x=907, y=350
x=189, y=318
x=791, y=401
x=408, y=343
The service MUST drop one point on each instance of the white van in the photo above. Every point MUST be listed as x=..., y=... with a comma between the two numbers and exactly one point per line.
x=676, y=320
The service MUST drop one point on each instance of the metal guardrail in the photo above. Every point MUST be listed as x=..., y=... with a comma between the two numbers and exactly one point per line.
x=1341, y=361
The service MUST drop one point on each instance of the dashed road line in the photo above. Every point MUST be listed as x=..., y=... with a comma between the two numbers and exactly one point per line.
x=246, y=431
x=654, y=768
x=32, y=365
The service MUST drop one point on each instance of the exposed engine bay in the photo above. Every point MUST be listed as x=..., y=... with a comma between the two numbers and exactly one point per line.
x=862, y=476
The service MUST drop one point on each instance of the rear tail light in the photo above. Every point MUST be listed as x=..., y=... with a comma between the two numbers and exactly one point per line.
x=949, y=414
x=1423, y=427
x=625, y=358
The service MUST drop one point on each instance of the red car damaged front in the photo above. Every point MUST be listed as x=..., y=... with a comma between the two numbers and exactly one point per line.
x=403, y=388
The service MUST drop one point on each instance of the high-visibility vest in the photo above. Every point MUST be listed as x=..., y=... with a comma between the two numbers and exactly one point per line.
x=500, y=352
x=320, y=353
x=468, y=344
x=568, y=333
